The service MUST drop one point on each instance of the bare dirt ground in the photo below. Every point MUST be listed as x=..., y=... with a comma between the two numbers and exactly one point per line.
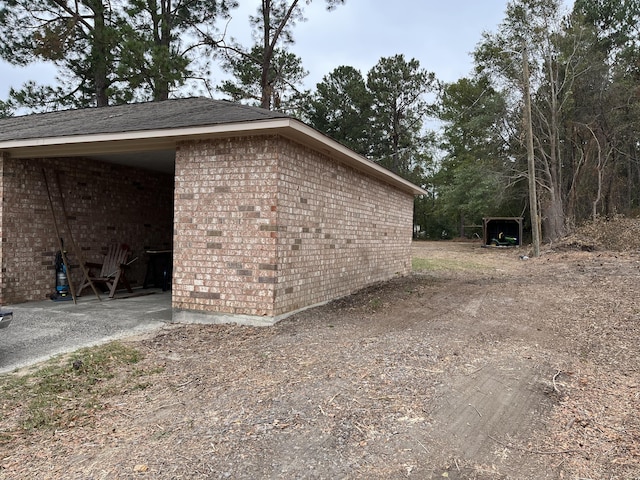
x=481, y=365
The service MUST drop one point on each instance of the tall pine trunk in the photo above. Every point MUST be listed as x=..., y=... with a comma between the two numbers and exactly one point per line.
x=100, y=54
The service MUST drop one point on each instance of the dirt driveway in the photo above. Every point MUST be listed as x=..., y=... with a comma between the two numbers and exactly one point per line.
x=480, y=365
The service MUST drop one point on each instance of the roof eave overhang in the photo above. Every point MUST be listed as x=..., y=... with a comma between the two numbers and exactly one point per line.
x=149, y=140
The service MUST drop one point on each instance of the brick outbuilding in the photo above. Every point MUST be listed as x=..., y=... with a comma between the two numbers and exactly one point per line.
x=263, y=215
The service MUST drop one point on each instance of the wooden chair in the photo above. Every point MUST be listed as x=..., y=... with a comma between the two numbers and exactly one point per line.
x=111, y=271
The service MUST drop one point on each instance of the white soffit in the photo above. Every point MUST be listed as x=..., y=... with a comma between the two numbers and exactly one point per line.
x=167, y=139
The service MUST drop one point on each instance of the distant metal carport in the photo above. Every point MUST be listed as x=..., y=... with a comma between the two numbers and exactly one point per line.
x=508, y=226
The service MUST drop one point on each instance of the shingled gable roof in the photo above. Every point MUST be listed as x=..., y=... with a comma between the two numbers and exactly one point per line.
x=171, y=114
x=159, y=125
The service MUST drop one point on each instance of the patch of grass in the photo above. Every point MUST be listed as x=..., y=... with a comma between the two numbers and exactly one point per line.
x=70, y=390
x=436, y=264
x=375, y=303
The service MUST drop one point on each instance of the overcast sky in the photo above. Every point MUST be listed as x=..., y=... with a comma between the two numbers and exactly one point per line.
x=441, y=34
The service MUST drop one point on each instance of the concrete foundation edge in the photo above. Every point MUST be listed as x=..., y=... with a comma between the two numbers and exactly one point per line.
x=216, y=318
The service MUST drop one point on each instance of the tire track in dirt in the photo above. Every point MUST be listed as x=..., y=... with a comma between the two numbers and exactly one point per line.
x=491, y=405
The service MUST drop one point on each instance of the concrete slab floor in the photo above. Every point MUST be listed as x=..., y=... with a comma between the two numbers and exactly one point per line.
x=41, y=330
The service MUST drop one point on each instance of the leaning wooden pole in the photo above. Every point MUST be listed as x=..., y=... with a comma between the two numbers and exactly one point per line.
x=76, y=250
x=60, y=246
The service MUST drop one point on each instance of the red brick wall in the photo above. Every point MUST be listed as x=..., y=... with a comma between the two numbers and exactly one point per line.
x=265, y=226
x=344, y=230
x=105, y=204
x=3, y=282
x=225, y=226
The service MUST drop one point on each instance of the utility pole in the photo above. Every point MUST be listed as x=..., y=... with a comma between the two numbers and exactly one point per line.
x=533, y=197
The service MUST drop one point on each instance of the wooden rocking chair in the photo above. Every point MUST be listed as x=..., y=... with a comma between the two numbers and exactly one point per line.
x=111, y=271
